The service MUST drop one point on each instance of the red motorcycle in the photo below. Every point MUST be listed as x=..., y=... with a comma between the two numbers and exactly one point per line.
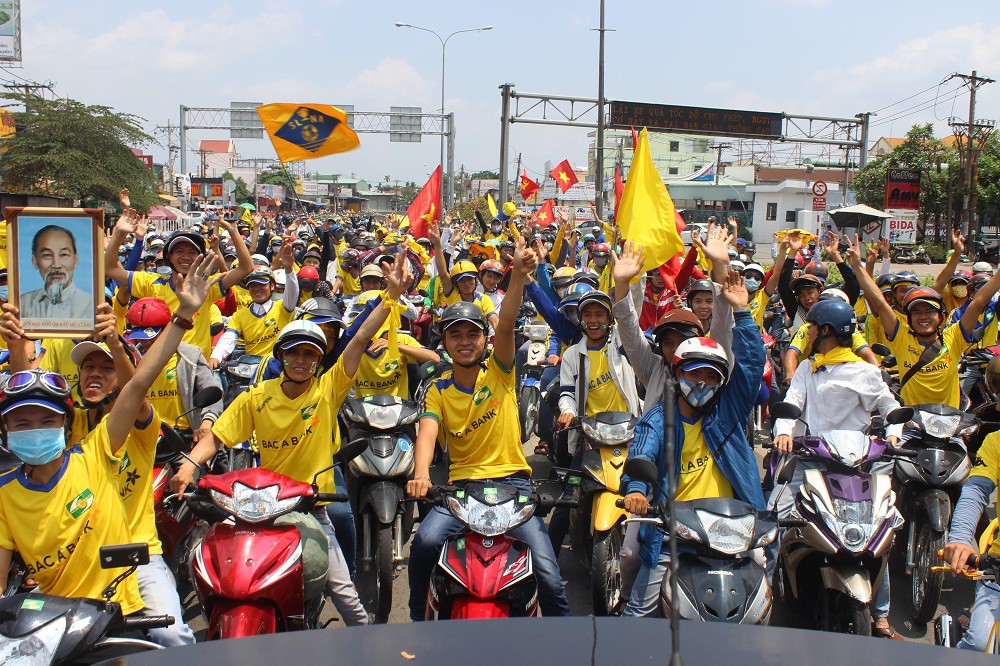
x=482, y=573
x=264, y=572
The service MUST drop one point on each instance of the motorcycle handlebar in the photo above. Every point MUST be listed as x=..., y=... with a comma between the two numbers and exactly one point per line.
x=144, y=622
x=331, y=497
x=653, y=510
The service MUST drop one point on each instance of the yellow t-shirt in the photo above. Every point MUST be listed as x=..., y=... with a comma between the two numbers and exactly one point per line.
x=58, y=358
x=385, y=374
x=479, y=425
x=602, y=394
x=297, y=437
x=351, y=285
x=59, y=528
x=259, y=333
x=758, y=306
x=484, y=302
x=242, y=295
x=135, y=483
x=987, y=465
x=142, y=284
x=165, y=396
x=800, y=342
x=936, y=382
x=700, y=477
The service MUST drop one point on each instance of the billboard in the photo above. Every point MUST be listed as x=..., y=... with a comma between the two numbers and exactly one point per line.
x=695, y=120
x=403, y=121
x=206, y=188
x=10, y=30
x=581, y=191
x=270, y=191
x=481, y=186
x=902, y=227
x=244, y=123
x=902, y=189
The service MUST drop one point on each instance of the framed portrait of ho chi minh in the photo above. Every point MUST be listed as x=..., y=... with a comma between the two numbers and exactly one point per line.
x=55, y=260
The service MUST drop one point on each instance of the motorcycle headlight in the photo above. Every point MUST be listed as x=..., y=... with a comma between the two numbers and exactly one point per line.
x=242, y=370
x=940, y=426
x=853, y=522
x=254, y=505
x=767, y=538
x=730, y=535
x=37, y=648
x=383, y=417
x=494, y=519
x=608, y=434
x=457, y=508
x=686, y=533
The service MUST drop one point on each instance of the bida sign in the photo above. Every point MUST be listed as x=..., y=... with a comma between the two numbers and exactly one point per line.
x=902, y=189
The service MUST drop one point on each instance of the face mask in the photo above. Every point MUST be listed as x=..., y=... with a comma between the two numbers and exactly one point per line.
x=164, y=271
x=37, y=447
x=496, y=228
x=549, y=245
x=3, y=293
x=958, y=291
x=753, y=284
x=697, y=395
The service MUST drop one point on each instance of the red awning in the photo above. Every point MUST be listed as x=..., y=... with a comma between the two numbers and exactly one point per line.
x=160, y=213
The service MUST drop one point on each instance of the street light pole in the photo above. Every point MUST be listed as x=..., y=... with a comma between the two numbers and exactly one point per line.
x=446, y=192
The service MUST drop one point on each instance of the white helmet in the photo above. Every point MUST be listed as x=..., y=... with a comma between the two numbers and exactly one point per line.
x=696, y=353
x=834, y=293
x=737, y=265
x=260, y=260
x=300, y=332
x=755, y=267
x=982, y=267
x=279, y=277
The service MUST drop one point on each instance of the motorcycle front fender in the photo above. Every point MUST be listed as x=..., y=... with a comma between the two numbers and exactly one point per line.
x=383, y=497
x=604, y=514
x=937, y=507
x=851, y=580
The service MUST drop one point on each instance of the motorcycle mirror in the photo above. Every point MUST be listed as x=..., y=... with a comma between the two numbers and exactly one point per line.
x=899, y=415
x=786, y=471
x=642, y=469
x=881, y=350
x=350, y=451
x=888, y=361
x=207, y=396
x=785, y=410
x=426, y=370
x=124, y=555
x=172, y=441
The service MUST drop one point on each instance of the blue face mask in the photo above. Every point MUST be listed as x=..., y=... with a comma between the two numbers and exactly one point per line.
x=37, y=447
x=697, y=394
x=3, y=293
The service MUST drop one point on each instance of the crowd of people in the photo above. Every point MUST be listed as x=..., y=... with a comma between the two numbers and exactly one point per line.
x=336, y=304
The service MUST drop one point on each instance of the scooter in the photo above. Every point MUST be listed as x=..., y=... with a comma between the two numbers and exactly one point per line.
x=482, y=573
x=41, y=629
x=597, y=525
x=833, y=559
x=239, y=372
x=530, y=393
x=909, y=254
x=384, y=424
x=947, y=631
x=258, y=569
x=927, y=489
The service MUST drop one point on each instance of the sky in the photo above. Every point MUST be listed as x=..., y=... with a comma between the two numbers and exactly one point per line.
x=821, y=57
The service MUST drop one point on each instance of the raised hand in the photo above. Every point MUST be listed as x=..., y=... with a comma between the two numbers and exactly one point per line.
x=525, y=260
x=854, y=252
x=10, y=324
x=871, y=253
x=629, y=263
x=883, y=247
x=434, y=232
x=957, y=241
x=141, y=227
x=795, y=242
x=716, y=247
x=106, y=326
x=126, y=223
x=286, y=255
x=832, y=247
x=735, y=292
x=123, y=198
x=399, y=278
x=194, y=287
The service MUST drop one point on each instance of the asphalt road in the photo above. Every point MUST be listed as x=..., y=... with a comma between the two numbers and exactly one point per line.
x=956, y=597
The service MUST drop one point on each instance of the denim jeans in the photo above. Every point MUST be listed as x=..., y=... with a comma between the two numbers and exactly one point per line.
x=338, y=579
x=559, y=522
x=159, y=592
x=342, y=519
x=439, y=524
x=985, y=613
x=645, y=597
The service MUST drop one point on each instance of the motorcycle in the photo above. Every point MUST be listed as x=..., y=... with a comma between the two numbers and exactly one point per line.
x=530, y=393
x=597, y=525
x=834, y=558
x=482, y=573
x=239, y=372
x=384, y=424
x=42, y=629
x=927, y=489
x=259, y=570
x=721, y=580
x=947, y=631
x=910, y=254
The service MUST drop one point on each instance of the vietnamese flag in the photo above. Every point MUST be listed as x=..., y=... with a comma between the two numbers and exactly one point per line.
x=545, y=215
x=565, y=176
x=528, y=186
x=424, y=208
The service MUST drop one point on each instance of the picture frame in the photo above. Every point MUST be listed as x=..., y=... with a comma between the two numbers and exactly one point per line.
x=55, y=260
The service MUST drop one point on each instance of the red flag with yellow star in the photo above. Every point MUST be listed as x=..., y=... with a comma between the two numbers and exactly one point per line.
x=546, y=215
x=564, y=175
x=528, y=186
x=426, y=207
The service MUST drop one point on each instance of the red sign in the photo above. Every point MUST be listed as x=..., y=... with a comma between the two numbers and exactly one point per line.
x=819, y=203
x=819, y=189
x=146, y=159
x=902, y=189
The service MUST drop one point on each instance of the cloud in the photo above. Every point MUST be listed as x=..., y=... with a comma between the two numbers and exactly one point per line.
x=391, y=82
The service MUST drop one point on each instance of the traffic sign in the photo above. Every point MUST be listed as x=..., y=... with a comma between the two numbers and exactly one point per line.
x=819, y=189
x=819, y=203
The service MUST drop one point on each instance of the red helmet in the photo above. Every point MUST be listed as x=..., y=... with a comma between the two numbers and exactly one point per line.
x=308, y=273
x=350, y=256
x=492, y=266
x=818, y=269
x=147, y=312
x=923, y=295
x=962, y=276
x=601, y=250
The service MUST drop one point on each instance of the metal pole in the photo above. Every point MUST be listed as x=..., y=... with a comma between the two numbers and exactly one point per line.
x=183, y=140
x=970, y=167
x=450, y=198
x=444, y=190
x=863, y=156
x=517, y=179
x=599, y=203
x=505, y=95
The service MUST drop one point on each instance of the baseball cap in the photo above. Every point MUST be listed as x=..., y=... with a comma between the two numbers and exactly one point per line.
x=84, y=349
x=143, y=333
x=696, y=365
x=372, y=270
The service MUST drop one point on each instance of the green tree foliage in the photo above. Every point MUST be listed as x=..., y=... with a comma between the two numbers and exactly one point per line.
x=242, y=193
x=69, y=149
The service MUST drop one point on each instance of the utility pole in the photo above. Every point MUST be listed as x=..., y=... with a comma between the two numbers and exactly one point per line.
x=974, y=135
x=599, y=180
x=517, y=179
x=718, y=148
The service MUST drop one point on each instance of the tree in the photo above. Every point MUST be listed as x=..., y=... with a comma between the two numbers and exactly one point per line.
x=242, y=193
x=66, y=148
x=485, y=175
x=272, y=177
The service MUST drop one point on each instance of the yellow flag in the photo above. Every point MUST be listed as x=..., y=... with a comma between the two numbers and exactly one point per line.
x=491, y=205
x=246, y=216
x=307, y=131
x=646, y=214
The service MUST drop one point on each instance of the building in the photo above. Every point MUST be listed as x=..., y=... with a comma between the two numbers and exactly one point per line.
x=675, y=155
x=215, y=157
x=884, y=146
x=783, y=198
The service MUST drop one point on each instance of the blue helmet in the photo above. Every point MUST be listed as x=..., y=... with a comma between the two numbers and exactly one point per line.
x=834, y=313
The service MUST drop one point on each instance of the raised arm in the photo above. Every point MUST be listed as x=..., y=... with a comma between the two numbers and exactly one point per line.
x=979, y=303
x=113, y=270
x=779, y=263
x=236, y=275
x=434, y=234
x=948, y=272
x=525, y=261
x=397, y=281
x=873, y=294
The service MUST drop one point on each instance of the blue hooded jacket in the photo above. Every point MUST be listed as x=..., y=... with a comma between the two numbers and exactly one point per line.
x=723, y=426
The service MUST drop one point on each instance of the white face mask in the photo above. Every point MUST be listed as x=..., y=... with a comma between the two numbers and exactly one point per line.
x=753, y=284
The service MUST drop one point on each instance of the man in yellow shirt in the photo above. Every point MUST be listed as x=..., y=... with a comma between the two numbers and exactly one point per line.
x=459, y=284
x=347, y=273
x=474, y=409
x=62, y=505
x=919, y=342
x=294, y=417
x=800, y=346
x=383, y=370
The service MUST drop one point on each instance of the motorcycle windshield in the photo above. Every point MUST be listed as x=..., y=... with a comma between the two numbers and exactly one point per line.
x=848, y=447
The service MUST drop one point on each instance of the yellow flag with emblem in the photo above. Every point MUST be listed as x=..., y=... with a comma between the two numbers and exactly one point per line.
x=646, y=214
x=307, y=131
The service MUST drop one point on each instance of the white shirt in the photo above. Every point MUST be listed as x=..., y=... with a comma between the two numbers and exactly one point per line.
x=73, y=304
x=837, y=397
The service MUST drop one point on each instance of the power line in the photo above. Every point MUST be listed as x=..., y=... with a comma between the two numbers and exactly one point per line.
x=917, y=109
x=906, y=99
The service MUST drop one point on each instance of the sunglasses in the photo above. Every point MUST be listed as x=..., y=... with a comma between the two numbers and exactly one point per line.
x=19, y=382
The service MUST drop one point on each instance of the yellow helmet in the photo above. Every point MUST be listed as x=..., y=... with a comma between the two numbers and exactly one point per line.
x=461, y=268
x=563, y=276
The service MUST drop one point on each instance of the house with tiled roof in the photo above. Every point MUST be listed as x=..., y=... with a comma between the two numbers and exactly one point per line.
x=215, y=156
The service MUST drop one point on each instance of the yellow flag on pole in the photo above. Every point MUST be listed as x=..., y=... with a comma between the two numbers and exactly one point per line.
x=307, y=131
x=646, y=214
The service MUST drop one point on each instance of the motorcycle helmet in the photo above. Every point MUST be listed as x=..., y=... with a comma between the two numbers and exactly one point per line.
x=806, y=280
x=261, y=275
x=699, y=286
x=601, y=250
x=587, y=277
x=906, y=277
x=184, y=236
x=492, y=267
x=38, y=388
x=147, y=317
x=884, y=282
x=321, y=311
x=463, y=268
x=682, y=321
x=982, y=267
x=299, y=332
x=923, y=295
x=458, y=312
x=695, y=353
x=595, y=296
x=836, y=314
x=961, y=277
x=563, y=277
x=818, y=269
x=754, y=276
x=977, y=281
x=737, y=265
x=834, y=294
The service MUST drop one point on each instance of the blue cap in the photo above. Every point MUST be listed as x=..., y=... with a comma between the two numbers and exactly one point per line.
x=51, y=405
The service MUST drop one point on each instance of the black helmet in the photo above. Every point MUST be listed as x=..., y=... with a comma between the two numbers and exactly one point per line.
x=595, y=296
x=321, y=311
x=884, y=281
x=833, y=313
x=463, y=311
x=183, y=236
